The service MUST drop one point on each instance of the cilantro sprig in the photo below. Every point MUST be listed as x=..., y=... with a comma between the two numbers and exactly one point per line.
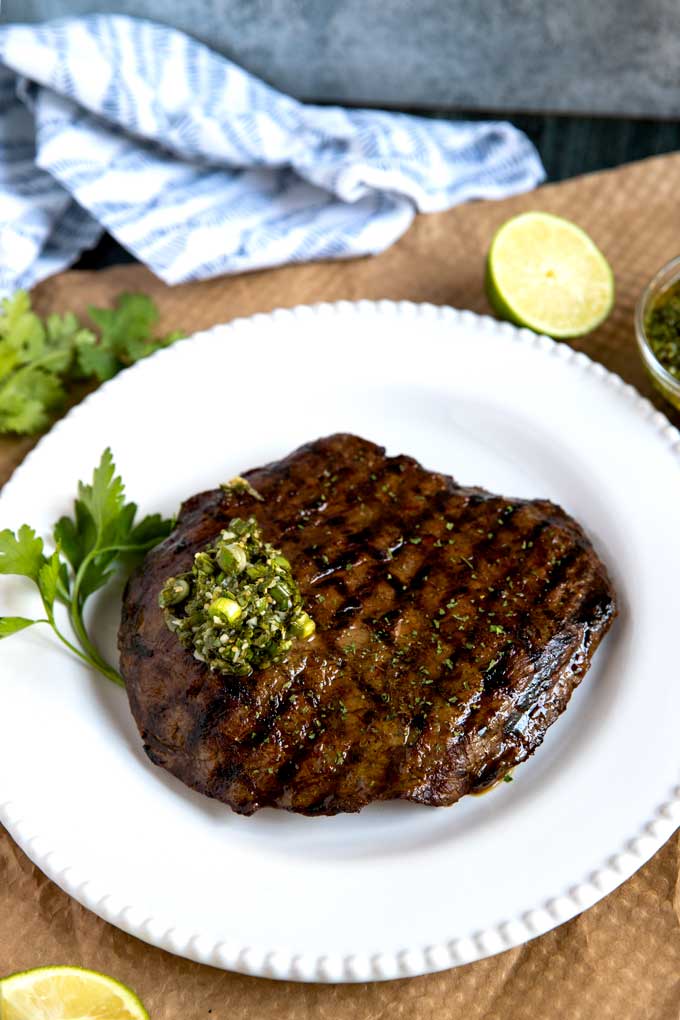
x=91, y=547
x=41, y=359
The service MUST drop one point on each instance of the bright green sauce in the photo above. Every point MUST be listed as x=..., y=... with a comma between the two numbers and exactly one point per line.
x=239, y=608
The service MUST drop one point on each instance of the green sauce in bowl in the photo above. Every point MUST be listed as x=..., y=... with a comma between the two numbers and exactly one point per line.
x=662, y=328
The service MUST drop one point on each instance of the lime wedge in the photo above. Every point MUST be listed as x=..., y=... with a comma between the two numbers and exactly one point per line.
x=67, y=993
x=545, y=273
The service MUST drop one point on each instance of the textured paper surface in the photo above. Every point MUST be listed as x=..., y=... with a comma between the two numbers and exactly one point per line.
x=620, y=959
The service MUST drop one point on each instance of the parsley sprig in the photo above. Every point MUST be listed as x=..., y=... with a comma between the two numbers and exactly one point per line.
x=91, y=547
x=41, y=359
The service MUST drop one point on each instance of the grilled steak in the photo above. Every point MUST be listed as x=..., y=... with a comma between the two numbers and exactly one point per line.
x=452, y=627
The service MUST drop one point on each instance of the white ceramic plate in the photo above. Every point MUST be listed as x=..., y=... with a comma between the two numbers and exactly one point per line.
x=400, y=889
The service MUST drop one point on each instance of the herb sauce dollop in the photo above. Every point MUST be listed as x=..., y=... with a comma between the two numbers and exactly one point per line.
x=239, y=608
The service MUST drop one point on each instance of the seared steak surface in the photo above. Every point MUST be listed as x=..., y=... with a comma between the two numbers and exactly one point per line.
x=452, y=627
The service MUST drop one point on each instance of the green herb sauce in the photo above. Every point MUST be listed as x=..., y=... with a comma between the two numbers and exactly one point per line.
x=662, y=327
x=239, y=608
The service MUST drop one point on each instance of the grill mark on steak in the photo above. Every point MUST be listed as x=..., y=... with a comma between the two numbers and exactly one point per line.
x=464, y=655
x=390, y=717
x=570, y=600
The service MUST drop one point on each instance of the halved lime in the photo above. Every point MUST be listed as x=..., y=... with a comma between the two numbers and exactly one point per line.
x=545, y=273
x=67, y=993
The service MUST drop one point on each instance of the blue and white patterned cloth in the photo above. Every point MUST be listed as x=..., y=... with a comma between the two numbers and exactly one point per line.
x=198, y=168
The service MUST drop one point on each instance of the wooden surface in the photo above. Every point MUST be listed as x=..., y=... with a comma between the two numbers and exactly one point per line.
x=620, y=959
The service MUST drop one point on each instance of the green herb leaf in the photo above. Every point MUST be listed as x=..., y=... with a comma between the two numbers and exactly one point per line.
x=97, y=361
x=63, y=334
x=104, y=499
x=22, y=553
x=22, y=334
x=126, y=335
x=150, y=530
x=103, y=530
x=100, y=570
x=33, y=358
x=48, y=580
x=27, y=399
x=132, y=318
x=12, y=624
x=75, y=536
x=98, y=538
x=39, y=360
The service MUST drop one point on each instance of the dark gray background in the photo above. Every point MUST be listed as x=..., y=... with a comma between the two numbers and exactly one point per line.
x=571, y=56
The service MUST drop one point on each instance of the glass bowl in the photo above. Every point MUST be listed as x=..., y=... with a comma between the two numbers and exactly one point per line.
x=666, y=383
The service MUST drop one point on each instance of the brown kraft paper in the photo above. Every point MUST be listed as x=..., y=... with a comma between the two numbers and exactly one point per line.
x=621, y=958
